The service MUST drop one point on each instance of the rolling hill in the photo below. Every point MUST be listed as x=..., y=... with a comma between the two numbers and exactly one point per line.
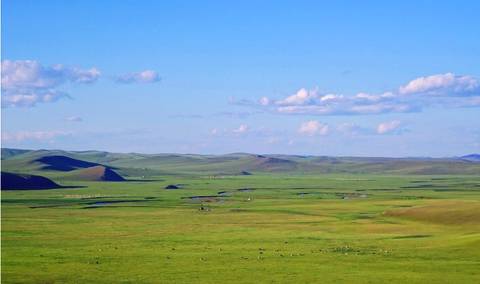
x=96, y=173
x=11, y=181
x=49, y=162
x=62, y=163
x=471, y=158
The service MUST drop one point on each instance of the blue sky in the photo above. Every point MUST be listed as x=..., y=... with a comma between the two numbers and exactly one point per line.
x=363, y=78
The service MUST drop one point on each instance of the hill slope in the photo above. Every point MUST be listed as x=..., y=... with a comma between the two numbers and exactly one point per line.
x=9, y=153
x=63, y=163
x=11, y=181
x=96, y=173
x=471, y=157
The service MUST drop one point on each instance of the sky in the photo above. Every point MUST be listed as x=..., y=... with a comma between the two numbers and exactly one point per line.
x=338, y=78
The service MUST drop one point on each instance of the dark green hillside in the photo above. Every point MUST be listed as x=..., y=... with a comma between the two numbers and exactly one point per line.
x=11, y=181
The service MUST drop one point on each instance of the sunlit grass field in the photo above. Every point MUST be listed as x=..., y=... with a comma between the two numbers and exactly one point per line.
x=248, y=229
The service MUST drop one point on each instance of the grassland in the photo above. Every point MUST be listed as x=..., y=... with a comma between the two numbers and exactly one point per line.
x=321, y=228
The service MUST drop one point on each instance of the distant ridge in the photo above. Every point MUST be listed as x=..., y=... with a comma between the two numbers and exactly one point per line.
x=273, y=164
x=471, y=157
x=8, y=153
x=145, y=165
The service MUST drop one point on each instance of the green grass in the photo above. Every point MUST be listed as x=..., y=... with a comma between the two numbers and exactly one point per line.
x=389, y=229
x=134, y=164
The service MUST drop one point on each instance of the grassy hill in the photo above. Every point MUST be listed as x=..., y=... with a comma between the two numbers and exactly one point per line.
x=96, y=173
x=134, y=164
x=12, y=181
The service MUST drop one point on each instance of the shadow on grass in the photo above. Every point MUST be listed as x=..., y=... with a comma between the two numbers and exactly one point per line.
x=59, y=187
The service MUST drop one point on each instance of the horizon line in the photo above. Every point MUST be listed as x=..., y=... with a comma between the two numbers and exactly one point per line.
x=249, y=153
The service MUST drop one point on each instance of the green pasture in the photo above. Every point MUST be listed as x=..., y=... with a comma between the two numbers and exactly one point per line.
x=260, y=229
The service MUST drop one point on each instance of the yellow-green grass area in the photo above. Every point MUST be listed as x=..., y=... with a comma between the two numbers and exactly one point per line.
x=286, y=229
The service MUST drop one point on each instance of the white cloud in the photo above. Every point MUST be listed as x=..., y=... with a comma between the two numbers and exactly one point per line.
x=381, y=108
x=388, y=127
x=74, y=119
x=27, y=82
x=21, y=136
x=347, y=108
x=146, y=76
x=241, y=129
x=448, y=90
x=264, y=101
x=313, y=127
x=313, y=109
x=374, y=98
x=301, y=97
x=447, y=84
x=331, y=98
x=28, y=97
x=312, y=102
x=84, y=76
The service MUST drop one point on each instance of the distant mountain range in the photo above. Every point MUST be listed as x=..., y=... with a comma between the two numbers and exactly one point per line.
x=112, y=166
x=471, y=157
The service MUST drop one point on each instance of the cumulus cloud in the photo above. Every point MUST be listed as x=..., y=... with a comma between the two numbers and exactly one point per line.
x=448, y=90
x=313, y=127
x=30, y=97
x=27, y=82
x=301, y=97
x=21, y=136
x=388, y=127
x=143, y=77
x=316, y=103
x=447, y=84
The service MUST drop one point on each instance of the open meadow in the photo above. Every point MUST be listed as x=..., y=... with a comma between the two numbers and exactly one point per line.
x=265, y=228
x=224, y=142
